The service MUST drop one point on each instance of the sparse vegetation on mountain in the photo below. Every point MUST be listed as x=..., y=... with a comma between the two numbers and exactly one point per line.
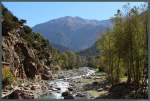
x=116, y=66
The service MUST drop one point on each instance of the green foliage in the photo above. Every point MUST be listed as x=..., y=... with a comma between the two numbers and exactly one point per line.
x=22, y=21
x=7, y=75
x=27, y=29
x=10, y=21
x=124, y=48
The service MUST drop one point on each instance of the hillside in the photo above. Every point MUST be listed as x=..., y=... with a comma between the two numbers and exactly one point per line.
x=75, y=33
x=80, y=59
x=27, y=53
x=60, y=48
x=92, y=51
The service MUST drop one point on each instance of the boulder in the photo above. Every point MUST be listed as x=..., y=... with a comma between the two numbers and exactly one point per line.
x=61, y=76
x=30, y=68
x=95, y=83
x=46, y=77
x=58, y=88
x=100, y=89
x=33, y=88
x=26, y=88
x=80, y=95
x=67, y=95
x=8, y=87
x=70, y=89
x=44, y=88
x=46, y=68
x=18, y=94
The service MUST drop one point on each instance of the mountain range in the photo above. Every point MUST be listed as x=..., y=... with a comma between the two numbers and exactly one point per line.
x=73, y=33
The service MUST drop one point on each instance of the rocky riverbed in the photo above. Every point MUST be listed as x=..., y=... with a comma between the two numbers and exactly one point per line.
x=82, y=83
x=26, y=89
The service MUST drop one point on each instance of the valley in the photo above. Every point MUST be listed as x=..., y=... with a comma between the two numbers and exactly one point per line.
x=76, y=58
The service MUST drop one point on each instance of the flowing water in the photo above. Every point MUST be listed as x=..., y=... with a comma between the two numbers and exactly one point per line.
x=63, y=85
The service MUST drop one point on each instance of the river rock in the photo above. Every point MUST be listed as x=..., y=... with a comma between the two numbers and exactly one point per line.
x=44, y=87
x=67, y=95
x=8, y=87
x=58, y=88
x=100, y=89
x=26, y=88
x=46, y=77
x=79, y=94
x=18, y=94
x=30, y=69
x=54, y=89
x=33, y=88
x=61, y=77
x=70, y=89
x=95, y=83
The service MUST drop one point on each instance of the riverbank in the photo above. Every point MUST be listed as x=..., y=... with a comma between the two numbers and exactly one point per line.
x=82, y=83
x=26, y=89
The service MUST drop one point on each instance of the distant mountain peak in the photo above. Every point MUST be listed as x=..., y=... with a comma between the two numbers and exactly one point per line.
x=73, y=32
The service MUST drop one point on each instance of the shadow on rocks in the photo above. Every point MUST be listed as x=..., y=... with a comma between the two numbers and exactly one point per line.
x=67, y=95
x=18, y=94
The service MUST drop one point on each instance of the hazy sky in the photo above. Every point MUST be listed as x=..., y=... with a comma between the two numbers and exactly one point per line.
x=39, y=12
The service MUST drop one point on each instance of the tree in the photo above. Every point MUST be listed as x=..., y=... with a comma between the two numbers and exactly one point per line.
x=124, y=48
x=22, y=21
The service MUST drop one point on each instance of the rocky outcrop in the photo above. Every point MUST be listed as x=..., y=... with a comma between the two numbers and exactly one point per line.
x=10, y=54
x=18, y=94
x=27, y=52
x=23, y=58
x=29, y=55
x=46, y=74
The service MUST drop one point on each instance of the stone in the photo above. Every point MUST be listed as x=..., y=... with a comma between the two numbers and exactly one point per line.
x=54, y=89
x=70, y=89
x=44, y=88
x=80, y=95
x=8, y=87
x=30, y=68
x=97, y=77
x=33, y=88
x=61, y=77
x=95, y=83
x=100, y=89
x=46, y=77
x=67, y=95
x=58, y=88
x=26, y=88
x=18, y=94
x=58, y=91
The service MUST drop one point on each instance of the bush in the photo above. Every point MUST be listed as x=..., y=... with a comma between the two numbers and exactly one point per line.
x=27, y=29
x=8, y=76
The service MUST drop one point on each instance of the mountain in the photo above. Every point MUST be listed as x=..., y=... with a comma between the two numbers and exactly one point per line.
x=60, y=47
x=75, y=33
x=91, y=51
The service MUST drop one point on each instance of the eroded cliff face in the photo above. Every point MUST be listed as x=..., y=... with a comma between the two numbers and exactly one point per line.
x=10, y=55
x=22, y=58
x=28, y=54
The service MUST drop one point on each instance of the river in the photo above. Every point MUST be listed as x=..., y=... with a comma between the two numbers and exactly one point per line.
x=61, y=85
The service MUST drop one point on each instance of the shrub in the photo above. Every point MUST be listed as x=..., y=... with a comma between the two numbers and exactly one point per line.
x=8, y=76
x=27, y=29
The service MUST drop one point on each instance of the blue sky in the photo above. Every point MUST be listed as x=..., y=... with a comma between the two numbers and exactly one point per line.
x=39, y=12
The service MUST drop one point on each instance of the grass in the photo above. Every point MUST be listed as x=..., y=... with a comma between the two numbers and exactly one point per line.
x=95, y=93
x=123, y=79
x=90, y=80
